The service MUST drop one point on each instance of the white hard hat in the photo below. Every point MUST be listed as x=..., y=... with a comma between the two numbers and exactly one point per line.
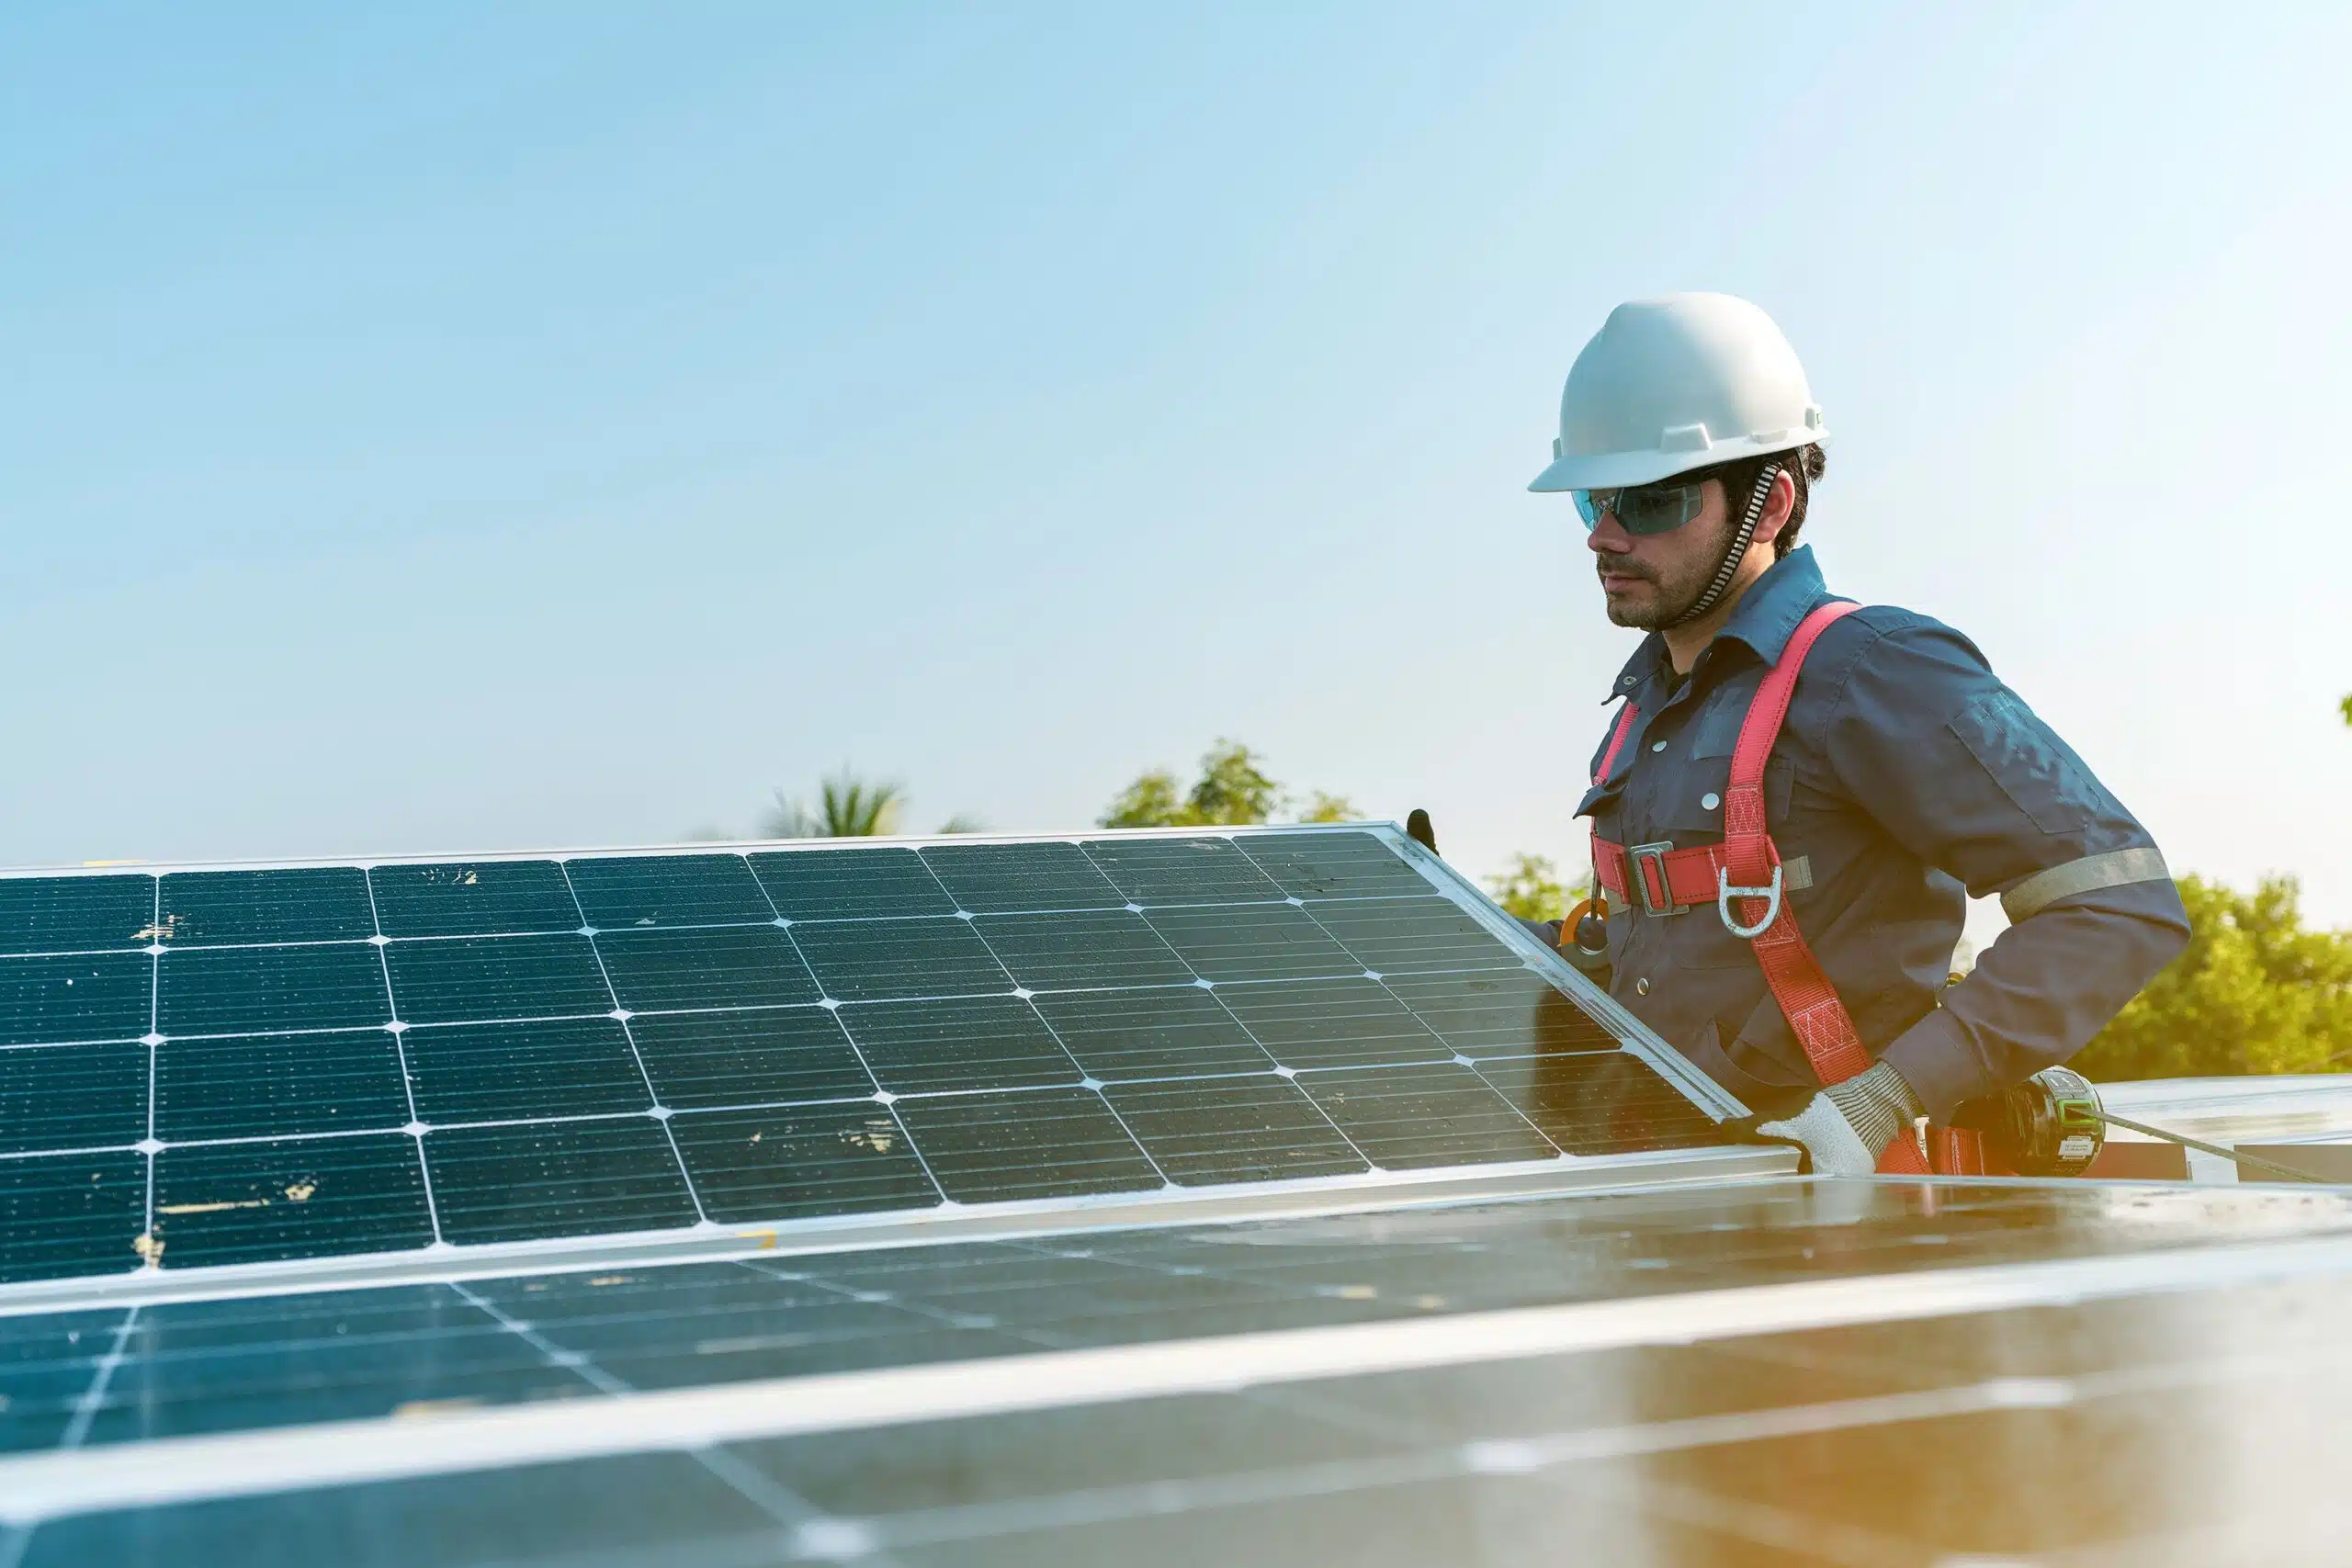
x=1677, y=383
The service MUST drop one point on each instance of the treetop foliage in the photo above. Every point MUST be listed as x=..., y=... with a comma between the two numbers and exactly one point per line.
x=1531, y=888
x=2253, y=993
x=1234, y=790
x=847, y=807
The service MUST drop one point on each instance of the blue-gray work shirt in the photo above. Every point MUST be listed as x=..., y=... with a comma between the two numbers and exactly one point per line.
x=1907, y=777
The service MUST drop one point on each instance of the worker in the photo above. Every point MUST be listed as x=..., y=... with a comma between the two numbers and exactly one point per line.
x=1904, y=779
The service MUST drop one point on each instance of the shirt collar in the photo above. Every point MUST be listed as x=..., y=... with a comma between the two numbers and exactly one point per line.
x=1768, y=616
x=1776, y=603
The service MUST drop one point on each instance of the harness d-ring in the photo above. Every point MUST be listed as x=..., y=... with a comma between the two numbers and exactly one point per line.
x=1726, y=893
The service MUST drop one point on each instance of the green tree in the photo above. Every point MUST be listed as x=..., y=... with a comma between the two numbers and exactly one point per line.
x=1322, y=807
x=1531, y=887
x=2346, y=709
x=1234, y=789
x=847, y=807
x=2253, y=993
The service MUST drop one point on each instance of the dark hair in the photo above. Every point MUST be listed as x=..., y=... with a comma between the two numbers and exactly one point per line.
x=1804, y=466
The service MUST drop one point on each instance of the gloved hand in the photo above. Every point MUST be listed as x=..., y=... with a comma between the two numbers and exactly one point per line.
x=1846, y=1127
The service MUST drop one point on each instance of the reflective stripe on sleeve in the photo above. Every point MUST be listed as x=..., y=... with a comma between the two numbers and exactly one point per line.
x=2116, y=868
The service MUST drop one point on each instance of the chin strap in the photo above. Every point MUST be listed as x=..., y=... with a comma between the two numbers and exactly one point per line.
x=1738, y=550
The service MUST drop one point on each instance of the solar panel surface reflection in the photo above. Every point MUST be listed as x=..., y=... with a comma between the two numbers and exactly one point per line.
x=230, y=1066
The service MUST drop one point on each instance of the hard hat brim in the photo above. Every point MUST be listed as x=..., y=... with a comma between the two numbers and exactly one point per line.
x=1613, y=470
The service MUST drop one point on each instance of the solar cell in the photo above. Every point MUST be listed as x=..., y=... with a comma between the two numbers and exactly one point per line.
x=664, y=971
x=765, y=1055
x=287, y=1198
x=522, y=1181
x=800, y=1161
x=473, y=898
x=211, y=908
x=253, y=1086
x=667, y=890
x=1182, y=871
x=864, y=960
x=1054, y=1143
x=90, y=995
x=1175, y=1031
x=269, y=990
x=1082, y=949
x=72, y=1096
x=851, y=885
x=1253, y=942
x=1260, y=1128
x=991, y=879
x=76, y=914
x=521, y=1049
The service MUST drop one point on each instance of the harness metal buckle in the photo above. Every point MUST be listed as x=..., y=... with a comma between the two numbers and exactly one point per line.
x=1654, y=855
x=1726, y=893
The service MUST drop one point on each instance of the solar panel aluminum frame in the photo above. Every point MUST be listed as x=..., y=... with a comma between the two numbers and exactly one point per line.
x=1189, y=1205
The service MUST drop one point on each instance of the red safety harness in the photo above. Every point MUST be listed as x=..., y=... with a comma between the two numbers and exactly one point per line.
x=1741, y=877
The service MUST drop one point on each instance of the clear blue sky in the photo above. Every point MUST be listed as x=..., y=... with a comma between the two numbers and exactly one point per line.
x=449, y=426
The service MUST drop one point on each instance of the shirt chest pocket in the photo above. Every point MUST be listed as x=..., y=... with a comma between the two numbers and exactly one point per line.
x=1708, y=743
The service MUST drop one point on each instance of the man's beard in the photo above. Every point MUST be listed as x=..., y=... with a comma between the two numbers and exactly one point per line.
x=1673, y=597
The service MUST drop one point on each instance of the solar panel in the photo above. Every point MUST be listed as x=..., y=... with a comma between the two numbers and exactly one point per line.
x=1991, y=1370
x=268, y=1063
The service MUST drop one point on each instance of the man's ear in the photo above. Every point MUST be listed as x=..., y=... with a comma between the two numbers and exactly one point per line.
x=1777, y=507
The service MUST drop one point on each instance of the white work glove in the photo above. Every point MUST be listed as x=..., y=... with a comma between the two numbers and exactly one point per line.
x=1847, y=1126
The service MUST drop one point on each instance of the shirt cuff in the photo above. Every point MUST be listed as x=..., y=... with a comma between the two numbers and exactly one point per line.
x=1936, y=1058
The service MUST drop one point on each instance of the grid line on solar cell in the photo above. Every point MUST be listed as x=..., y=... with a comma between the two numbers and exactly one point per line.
x=643, y=1078
x=399, y=1046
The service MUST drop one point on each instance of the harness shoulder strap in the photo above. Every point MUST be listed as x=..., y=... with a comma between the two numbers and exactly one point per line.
x=1811, y=1004
x=1625, y=717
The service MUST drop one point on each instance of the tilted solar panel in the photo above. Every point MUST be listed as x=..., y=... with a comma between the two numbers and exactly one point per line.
x=219, y=1066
